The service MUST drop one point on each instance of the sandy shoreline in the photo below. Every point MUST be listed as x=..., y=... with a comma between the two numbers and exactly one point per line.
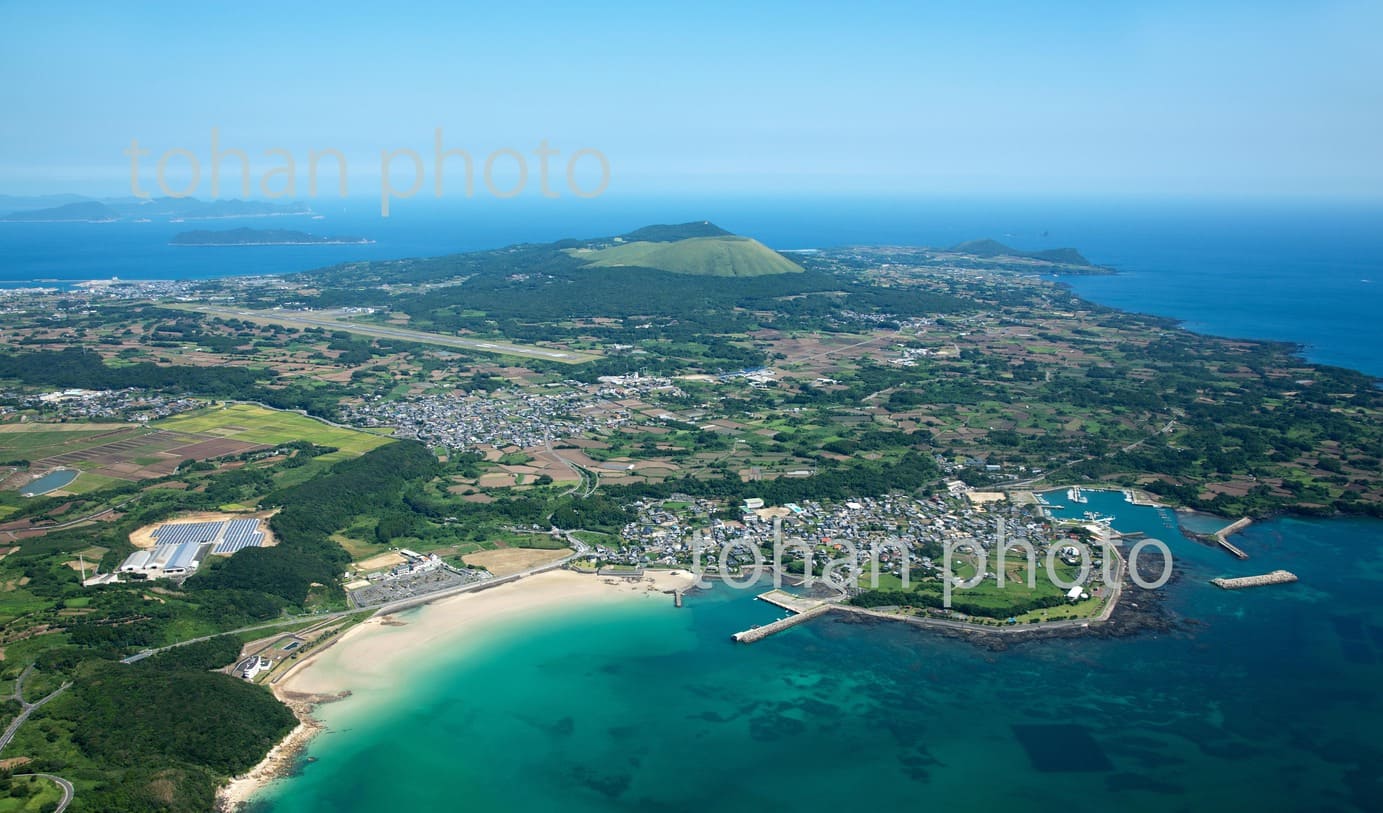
x=369, y=657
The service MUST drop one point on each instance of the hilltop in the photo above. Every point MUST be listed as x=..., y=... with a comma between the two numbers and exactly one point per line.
x=699, y=249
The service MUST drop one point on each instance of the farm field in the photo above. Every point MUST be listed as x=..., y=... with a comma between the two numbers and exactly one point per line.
x=106, y=455
x=249, y=423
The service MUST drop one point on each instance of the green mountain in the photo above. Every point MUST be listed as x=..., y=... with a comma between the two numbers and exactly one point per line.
x=719, y=255
x=993, y=248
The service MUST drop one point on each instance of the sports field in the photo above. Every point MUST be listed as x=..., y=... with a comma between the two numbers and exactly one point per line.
x=249, y=423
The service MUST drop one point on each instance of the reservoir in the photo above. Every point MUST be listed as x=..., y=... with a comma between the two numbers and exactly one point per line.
x=52, y=481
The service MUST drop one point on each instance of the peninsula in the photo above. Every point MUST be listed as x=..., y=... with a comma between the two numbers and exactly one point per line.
x=259, y=237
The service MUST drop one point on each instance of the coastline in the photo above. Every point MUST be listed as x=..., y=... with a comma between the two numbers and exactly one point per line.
x=371, y=657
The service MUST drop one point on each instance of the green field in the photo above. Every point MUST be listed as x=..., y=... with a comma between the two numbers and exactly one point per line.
x=257, y=424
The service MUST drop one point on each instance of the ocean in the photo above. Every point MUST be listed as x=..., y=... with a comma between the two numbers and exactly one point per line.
x=1262, y=699
x=1309, y=273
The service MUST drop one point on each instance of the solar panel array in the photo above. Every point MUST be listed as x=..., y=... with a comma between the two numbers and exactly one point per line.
x=230, y=535
x=241, y=534
x=188, y=532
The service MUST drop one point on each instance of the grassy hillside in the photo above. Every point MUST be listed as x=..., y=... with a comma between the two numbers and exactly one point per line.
x=727, y=256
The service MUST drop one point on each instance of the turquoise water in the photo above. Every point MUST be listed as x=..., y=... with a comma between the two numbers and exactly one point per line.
x=1260, y=699
x=51, y=481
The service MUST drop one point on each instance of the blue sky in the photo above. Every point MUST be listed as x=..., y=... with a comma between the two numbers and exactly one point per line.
x=910, y=99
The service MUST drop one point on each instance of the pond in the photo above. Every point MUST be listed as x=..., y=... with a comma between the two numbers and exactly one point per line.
x=52, y=481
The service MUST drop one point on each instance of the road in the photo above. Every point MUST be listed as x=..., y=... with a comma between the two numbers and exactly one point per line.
x=308, y=319
x=67, y=790
x=27, y=707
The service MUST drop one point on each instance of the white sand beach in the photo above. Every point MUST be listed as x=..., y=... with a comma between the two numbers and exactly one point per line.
x=369, y=657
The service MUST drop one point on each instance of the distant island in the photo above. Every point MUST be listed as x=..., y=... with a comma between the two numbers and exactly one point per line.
x=81, y=212
x=260, y=237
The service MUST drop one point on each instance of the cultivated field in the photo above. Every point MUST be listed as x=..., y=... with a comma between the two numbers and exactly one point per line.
x=248, y=423
x=105, y=453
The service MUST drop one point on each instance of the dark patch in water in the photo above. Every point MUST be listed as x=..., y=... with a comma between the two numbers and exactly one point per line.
x=1061, y=748
x=917, y=766
x=713, y=717
x=1359, y=655
x=770, y=727
x=611, y=786
x=816, y=709
x=1348, y=626
x=1138, y=781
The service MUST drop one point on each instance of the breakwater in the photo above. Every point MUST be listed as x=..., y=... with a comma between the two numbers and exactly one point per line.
x=1275, y=577
x=749, y=636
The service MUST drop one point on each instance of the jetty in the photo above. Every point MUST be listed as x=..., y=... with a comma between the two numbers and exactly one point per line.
x=1275, y=577
x=1222, y=537
x=801, y=607
x=749, y=636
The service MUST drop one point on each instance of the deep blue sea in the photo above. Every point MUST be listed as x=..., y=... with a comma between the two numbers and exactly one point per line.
x=1310, y=273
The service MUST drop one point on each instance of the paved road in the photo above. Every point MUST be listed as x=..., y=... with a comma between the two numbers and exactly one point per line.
x=67, y=790
x=28, y=708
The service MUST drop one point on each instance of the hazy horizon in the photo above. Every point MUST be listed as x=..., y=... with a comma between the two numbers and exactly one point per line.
x=999, y=100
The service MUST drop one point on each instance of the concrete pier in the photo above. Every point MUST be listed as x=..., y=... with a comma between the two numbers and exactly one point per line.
x=789, y=602
x=749, y=636
x=677, y=598
x=1275, y=577
x=1221, y=536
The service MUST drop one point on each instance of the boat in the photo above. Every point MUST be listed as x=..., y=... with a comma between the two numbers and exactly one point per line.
x=1073, y=494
